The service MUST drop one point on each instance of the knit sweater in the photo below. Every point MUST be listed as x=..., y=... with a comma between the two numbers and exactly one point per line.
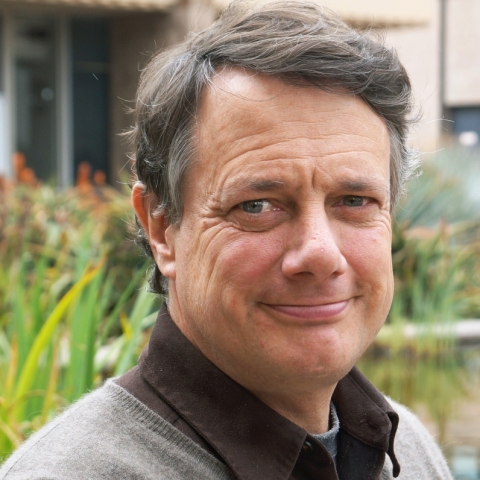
x=109, y=434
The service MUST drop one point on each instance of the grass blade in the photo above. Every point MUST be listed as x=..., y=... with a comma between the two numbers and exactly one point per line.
x=28, y=372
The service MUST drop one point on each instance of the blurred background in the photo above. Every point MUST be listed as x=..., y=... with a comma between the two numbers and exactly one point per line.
x=73, y=306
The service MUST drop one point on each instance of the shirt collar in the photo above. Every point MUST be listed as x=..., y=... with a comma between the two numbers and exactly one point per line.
x=253, y=440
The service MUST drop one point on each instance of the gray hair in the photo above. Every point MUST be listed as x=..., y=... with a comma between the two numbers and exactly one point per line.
x=299, y=42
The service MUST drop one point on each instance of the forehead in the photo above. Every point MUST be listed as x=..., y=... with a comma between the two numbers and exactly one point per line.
x=246, y=120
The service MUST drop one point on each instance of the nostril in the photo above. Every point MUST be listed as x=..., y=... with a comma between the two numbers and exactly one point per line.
x=314, y=258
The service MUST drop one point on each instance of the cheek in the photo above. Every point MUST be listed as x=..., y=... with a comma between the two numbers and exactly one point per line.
x=368, y=252
x=245, y=260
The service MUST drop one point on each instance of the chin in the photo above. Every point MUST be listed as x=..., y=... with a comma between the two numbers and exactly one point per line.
x=320, y=367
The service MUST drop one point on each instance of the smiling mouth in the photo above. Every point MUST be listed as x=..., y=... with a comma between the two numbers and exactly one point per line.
x=322, y=312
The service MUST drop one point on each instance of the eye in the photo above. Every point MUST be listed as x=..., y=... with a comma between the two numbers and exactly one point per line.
x=255, y=206
x=258, y=215
x=353, y=201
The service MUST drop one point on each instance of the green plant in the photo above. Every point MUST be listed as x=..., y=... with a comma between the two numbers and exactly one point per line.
x=436, y=271
x=436, y=243
x=66, y=301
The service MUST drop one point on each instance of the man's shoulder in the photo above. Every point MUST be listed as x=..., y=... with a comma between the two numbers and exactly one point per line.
x=416, y=450
x=109, y=434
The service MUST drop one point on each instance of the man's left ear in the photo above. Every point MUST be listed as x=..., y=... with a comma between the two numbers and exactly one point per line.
x=160, y=233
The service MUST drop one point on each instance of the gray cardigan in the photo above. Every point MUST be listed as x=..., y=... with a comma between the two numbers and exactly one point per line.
x=109, y=434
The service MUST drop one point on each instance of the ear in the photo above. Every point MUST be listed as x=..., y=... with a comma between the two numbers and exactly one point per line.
x=160, y=234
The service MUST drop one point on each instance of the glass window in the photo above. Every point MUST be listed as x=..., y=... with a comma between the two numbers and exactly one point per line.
x=466, y=125
x=90, y=93
x=4, y=154
x=35, y=99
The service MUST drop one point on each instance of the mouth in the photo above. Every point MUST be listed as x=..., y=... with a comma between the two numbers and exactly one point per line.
x=320, y=312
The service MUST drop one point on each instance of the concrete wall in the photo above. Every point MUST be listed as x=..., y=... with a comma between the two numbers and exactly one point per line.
x=462, y=86
x=419, y=51
x=134, y=38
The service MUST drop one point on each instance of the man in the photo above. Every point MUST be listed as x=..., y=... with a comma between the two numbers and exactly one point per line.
x=270, y=152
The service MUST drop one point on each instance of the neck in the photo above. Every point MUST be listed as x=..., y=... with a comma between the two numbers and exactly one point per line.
x=309, y=411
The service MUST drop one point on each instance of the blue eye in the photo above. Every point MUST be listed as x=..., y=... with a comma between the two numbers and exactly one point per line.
x=253, y=206
x=353, y=201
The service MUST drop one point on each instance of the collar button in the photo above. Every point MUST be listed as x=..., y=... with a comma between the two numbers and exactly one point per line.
x=307, y=447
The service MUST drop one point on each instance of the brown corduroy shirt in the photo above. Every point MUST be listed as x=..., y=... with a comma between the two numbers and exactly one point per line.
x=177, y=382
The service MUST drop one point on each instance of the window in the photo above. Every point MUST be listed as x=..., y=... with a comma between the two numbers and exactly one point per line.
x=466, y=125
x=36, y=94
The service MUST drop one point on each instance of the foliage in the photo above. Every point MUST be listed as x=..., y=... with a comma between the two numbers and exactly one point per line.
x=436, y=244
x=445, y=191
x=70, y=228
x=437, y=273
x=73, y=308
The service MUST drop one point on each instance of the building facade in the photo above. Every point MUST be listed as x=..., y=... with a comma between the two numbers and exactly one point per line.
x=69, y=70
x=68, y=73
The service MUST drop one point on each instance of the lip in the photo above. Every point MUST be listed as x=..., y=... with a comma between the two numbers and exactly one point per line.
x=320, y=312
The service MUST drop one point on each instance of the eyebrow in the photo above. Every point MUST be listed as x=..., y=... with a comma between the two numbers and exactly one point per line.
x=265, y=185
x=362, y=185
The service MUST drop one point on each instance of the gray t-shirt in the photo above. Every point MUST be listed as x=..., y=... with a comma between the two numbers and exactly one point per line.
x=329, y=439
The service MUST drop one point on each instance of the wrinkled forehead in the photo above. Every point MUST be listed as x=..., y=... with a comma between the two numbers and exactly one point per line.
x=232, y=83
x=241, y=108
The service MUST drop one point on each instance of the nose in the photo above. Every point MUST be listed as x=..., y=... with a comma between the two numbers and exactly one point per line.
x=313, y=249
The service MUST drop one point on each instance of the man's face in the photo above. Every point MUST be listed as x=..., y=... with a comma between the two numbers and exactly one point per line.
x=281, y=268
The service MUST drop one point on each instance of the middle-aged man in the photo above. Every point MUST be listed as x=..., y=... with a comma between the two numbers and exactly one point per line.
x=270, y=153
